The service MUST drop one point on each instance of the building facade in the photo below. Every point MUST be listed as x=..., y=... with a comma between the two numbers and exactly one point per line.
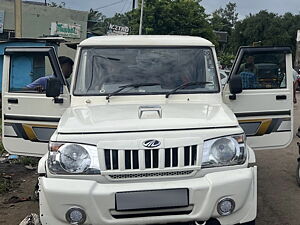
x=39, y=20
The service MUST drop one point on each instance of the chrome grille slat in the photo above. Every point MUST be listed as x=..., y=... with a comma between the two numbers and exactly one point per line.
x=142, y=159
x=111, y=159
x=121, y=159
x=161, y=156
x=151, y=158
x=171, y=157
x=181, y=157
x=147, y=159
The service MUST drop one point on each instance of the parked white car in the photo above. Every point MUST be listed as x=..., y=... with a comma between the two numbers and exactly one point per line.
x=145, y=134
x=224, y=75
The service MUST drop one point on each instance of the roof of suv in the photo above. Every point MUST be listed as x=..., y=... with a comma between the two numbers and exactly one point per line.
x=145, y=40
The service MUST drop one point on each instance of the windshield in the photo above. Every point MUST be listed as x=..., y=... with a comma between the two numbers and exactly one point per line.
x=103, y=70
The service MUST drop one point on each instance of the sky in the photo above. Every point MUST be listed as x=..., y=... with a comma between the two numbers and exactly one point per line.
x=244, y=7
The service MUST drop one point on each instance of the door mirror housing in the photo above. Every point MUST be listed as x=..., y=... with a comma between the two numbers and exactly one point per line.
x=235, y=84
x=53, y=87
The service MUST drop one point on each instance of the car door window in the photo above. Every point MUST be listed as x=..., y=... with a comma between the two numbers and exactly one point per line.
x=29, y=73
x=262, y=70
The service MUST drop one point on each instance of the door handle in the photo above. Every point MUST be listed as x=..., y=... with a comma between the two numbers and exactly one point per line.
x=280, y=97
x=13, y=100
x=58, y=100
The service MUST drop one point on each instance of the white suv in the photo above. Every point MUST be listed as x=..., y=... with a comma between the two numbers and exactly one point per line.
x=144, y=134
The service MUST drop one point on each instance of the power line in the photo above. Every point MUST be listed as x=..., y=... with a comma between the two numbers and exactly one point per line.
x=125, y=1
x=105, y=6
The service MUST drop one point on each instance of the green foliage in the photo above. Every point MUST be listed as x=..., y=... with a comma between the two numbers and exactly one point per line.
x=224, y=19
x=226, y=59
x=25, y=160
x=268, y=28
x=176, y=17
x=97, y=23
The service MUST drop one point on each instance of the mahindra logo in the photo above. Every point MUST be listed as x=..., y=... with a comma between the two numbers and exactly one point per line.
x=151, y=143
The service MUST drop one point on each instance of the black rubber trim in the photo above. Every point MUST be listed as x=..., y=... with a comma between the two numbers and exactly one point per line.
x=31, y=118
x=251, y=165
x=152, y=214
x=140, y=131
x=269, y=113
x=277, y=49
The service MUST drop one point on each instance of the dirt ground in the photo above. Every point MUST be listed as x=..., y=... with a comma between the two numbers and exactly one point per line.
x=278, y=192
x=23, y=182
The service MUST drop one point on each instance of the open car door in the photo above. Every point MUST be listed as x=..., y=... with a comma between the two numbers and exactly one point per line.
x=264, y=108
x=29, y=118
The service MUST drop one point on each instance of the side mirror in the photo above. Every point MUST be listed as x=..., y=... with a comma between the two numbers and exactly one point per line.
x=235, y=86
x=53, y=87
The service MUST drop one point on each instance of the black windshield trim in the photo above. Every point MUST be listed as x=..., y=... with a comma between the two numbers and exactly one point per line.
x=218, y=88
x=143, y=131
x=151, y=93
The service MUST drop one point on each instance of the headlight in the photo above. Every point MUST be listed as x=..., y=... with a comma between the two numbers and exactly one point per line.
x=69, y=158
x=224, y=151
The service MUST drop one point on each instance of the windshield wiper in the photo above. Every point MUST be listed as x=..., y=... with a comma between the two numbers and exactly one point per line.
x=108, y=58
x=136, y=85
x=192, y=83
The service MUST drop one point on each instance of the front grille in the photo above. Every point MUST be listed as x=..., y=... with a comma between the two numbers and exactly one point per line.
x=123, y=160
x=147, y=175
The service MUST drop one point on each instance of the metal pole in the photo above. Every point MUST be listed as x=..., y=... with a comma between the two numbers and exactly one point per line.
x=45, y=2
x=133, y=4
x=18, y=18
x=141, y=19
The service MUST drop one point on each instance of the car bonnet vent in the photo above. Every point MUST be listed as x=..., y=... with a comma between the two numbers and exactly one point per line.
x=150, y=112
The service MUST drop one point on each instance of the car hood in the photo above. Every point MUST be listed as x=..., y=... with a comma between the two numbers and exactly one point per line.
x=130, y=117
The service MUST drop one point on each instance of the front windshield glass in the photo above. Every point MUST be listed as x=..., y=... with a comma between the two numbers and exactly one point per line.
x=104, y=70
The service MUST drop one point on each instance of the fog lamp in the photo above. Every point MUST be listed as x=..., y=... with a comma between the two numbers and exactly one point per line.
x=76, y=216
x=225, y=206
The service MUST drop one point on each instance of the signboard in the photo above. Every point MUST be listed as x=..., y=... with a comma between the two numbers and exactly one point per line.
x=298, y=36
x=117, y=30
x=66, y=30
x=1, y=21
x=222, y=36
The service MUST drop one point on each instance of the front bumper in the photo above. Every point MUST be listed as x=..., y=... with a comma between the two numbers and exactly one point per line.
x=98, y=200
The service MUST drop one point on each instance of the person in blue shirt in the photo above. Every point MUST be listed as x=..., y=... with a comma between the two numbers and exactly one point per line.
x=248, y=73
x=40, y=84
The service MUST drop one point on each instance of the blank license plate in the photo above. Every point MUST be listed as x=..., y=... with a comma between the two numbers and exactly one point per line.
x=154, y=199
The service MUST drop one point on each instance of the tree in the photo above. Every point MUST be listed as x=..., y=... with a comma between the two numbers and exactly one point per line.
x=96, y=23
x=224, y=19
x=176, y=17
x=268, y=28
x=119, y=19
